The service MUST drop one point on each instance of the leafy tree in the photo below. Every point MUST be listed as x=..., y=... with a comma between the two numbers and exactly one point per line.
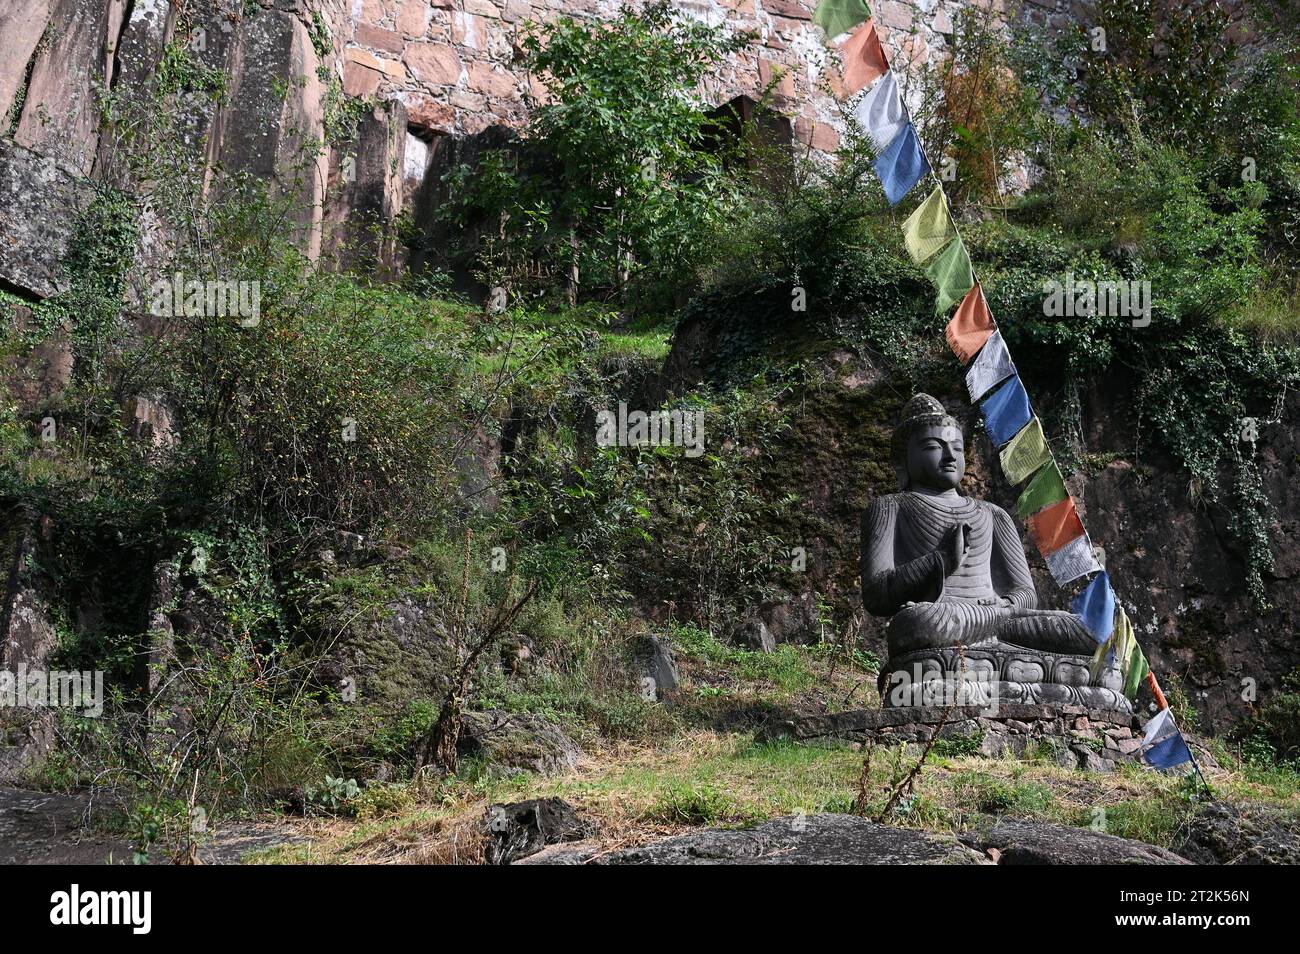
x=614, y=175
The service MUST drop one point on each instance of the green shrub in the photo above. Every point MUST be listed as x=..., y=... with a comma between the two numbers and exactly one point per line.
x=687, y=803
x=995, y=796
x=610, y=185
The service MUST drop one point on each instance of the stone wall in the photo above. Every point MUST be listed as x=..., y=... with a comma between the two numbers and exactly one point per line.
x=1091, y=739
x=455, y=64
x=435, y=76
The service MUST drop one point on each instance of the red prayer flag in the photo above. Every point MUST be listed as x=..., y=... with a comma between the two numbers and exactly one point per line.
x=864, y=58
x=1056, y=526
x=971, y=326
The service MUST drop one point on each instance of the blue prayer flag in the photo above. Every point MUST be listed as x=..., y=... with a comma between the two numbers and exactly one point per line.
x=1007, y=411
x=1163, y=746
x=901, y=165
x=1096, y=607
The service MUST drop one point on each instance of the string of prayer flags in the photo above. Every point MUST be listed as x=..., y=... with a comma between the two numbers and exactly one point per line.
x=1114, y=648
x=971, y=326
x=951, y=274
x=1007, y=411
x=1163, y=745
x=1026, y=453
x=929, y=228
x=1047, y=488
x=1095, y=606
x=902, y=165
x=840, y=16
x=991, y=366
x=1055, y=526
x=864, y=58
x=880, y=113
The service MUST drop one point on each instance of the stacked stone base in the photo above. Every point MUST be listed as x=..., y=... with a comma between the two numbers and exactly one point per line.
x=1095, y=740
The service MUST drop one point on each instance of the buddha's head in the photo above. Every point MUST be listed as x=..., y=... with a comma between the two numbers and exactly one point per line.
x=928, y=449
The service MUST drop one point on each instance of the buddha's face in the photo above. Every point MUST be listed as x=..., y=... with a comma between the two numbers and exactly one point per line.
x=936, y=458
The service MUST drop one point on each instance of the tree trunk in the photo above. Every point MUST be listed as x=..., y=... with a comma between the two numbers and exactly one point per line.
x=571, y=285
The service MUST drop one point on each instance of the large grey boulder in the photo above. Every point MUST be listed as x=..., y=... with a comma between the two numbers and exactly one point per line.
x=517, y=742
x=655, y=662
x=40, y=205
x=797, y=840
x=1241, y=835
x=1014, y=841
x=28, y=640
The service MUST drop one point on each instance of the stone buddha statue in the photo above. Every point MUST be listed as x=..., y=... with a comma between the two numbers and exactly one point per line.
x=950, y=573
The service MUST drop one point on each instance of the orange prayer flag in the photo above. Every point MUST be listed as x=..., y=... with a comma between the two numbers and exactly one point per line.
x=1056, y=526
x=864, y=58
x=971, y=326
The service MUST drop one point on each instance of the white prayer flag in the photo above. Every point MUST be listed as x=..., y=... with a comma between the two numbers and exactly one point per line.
x=880, y=113
x=1072, y=561
x=1161, y=726
x=991, y=365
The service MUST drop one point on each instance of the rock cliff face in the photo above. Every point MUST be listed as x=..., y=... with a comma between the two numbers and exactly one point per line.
x=428, y=78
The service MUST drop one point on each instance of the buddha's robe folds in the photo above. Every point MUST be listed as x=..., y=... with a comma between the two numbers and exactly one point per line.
x=990, y=598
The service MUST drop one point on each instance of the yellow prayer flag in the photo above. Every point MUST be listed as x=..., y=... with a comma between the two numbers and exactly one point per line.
x=929, y=228
x=1026, y=453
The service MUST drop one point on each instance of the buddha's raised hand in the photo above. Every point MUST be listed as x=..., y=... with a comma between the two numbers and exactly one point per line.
x=953, y=548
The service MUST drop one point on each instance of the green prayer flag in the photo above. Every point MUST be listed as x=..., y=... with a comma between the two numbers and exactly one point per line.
x=929, y=228
x=951, y=274
x=1136, y=670
x=840, y=16
x=1047, y=488
x=1118, y=645
x=1026, y=453
x=1132, y=661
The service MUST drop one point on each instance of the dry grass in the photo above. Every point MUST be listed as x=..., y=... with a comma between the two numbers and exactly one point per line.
x=641, y=793
x=644, y=791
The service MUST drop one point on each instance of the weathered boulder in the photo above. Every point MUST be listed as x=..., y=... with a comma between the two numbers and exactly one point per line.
x=797, y=840
x=752, y=631
x=40, y=205
x=41, y=374
x=520, y=829
x=1014, y=841
x=517, y=742
x=400, y=652
x=149, y=421
x=27, y=640
x=60, y=111
x=1226, y=834
x=27, y=633
x=655, y=663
